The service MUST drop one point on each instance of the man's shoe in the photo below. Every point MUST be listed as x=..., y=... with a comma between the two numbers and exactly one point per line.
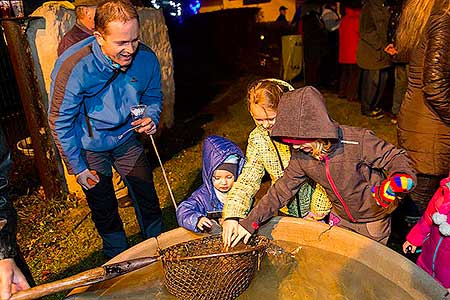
x=376, y=115
x=378, y=110
x=125, y=202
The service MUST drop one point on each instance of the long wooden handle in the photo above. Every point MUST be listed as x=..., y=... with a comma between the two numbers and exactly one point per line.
x=85, y=278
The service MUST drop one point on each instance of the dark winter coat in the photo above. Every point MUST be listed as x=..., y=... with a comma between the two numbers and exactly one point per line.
x=424, y=119
x=373, y=26
x=7, y=213
x=358, y=160
x=215, y=150
x=78, y=33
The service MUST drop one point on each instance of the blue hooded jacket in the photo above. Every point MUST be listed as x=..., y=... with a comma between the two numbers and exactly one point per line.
x=215, y=150
x=90, y=99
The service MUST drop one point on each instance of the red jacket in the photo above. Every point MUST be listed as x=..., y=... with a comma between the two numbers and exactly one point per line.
x=435, y=256
x=349, y=36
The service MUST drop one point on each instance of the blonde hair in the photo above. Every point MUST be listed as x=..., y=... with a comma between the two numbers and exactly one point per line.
x=413, y=20
x=320, y=148
x=265, y=93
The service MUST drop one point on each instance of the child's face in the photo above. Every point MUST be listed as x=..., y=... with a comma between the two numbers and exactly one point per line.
x=222, y=180
x=305, y=147
x=264, y=117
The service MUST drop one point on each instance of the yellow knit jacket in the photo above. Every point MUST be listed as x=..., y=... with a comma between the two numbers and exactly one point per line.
x=262, y=156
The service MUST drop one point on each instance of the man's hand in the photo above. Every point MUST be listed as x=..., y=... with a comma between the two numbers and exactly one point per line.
x=87, y=179
x=390, y=49
x=11, y=279
x=147, y=126
x=204, y=224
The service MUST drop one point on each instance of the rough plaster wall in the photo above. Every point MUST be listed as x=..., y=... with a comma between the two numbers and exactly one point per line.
x=155, y=34
x=44, y=36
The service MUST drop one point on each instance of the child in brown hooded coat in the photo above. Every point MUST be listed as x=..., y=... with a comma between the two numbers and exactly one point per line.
x=362, y=174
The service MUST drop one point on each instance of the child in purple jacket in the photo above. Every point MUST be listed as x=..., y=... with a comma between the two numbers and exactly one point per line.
x=432, y=233
x=222, y=163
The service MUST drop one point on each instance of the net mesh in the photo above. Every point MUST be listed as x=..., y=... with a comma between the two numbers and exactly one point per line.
x=201, y=269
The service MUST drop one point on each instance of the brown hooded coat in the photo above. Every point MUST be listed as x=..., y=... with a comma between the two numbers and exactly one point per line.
x=358, y=160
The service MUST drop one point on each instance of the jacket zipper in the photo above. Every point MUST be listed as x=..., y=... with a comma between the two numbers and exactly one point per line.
x=435, y=255
x=336, y=192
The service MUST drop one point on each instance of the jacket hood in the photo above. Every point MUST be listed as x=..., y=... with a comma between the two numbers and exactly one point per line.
x=302, y=114
x=215, y=150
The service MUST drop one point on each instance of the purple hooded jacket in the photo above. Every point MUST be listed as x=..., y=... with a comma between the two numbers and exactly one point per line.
x=215, y=150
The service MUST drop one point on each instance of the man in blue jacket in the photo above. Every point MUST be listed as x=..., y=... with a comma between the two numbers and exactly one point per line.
x=94, y=84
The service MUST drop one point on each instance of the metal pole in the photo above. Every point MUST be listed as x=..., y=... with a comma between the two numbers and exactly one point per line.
x=31, y=97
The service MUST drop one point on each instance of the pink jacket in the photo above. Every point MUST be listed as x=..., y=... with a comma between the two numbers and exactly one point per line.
x=432, y=232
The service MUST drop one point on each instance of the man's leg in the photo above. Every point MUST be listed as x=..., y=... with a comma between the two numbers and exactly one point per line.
x=103, y=204
x=343, y=81
x=353, y=82
x=368, y=90
x=132, y=164
x=380, y=78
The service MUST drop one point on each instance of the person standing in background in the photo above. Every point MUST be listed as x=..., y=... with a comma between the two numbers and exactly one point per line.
x=348, y=44
x=282, y=16
x=400, y=63
x=424, y=118
x=315, y=42
x=371, y=57
x=84, y=24
x=331, y=21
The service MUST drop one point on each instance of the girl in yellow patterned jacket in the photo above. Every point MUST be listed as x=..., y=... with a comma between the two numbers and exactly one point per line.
x=266, y=155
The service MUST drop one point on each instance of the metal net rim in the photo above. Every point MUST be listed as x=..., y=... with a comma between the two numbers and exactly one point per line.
x=261, y=246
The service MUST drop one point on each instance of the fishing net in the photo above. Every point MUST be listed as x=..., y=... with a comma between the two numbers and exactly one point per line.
x=201, y=269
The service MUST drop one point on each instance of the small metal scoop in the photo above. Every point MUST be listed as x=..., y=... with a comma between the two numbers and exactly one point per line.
x=127, y=131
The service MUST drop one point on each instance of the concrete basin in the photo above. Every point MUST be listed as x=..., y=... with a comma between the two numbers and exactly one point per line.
x=353, y=266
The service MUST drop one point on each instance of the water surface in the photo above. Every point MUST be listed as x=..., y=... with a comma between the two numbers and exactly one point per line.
x=306, y=273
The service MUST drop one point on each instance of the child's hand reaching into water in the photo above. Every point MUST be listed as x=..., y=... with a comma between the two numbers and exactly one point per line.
x=233, y=232
x=409, y=248
x=204, y=224
x=241, y=233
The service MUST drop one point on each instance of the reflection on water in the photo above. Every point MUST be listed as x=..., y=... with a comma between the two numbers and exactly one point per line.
x=307, y=273
x=318, y=274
